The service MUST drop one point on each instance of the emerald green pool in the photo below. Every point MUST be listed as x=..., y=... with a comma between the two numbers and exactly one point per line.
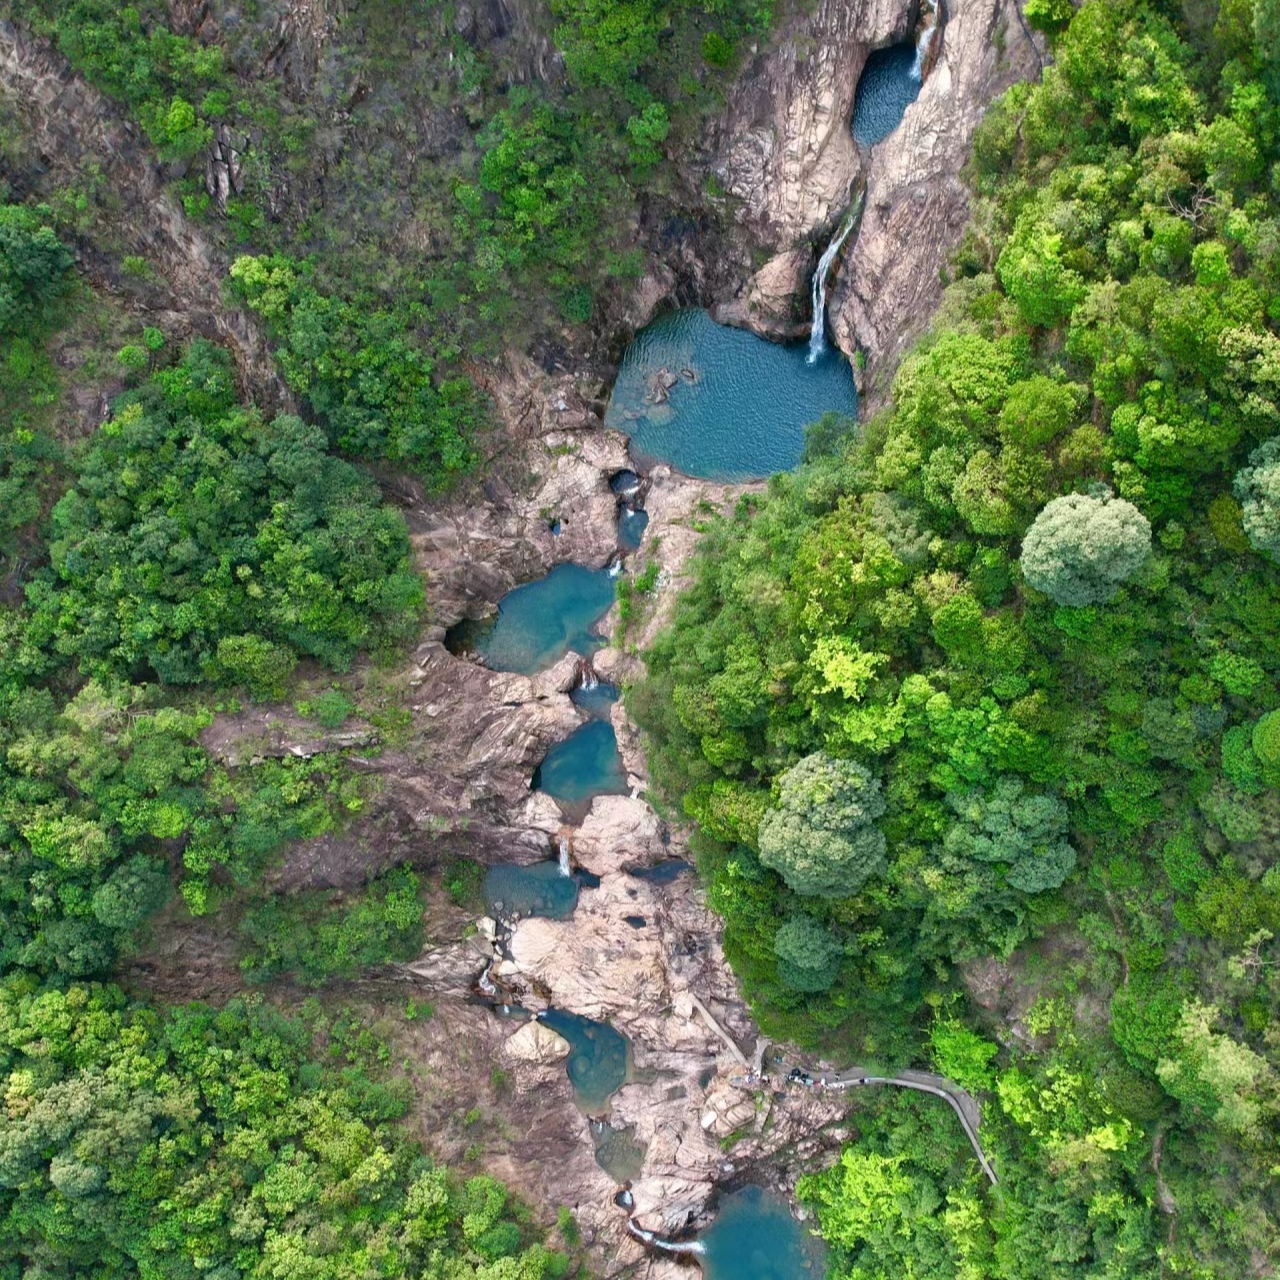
x=538, y=623
x=738, y=405
x=540, y=890
x=596, y=700
x=754, y=1237
x=597, y=1062
x=885, y=90
x=631, y=526
x=586, y=764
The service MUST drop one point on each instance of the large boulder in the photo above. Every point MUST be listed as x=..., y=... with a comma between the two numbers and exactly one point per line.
x=536, y=1044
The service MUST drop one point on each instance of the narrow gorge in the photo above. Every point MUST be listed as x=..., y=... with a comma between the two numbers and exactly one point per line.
x=639, y=639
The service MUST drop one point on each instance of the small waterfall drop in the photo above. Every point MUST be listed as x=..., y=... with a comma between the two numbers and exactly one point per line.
x=689, y=1248
x=922, y=50
x=587, y=678
x=615, y=566
x=565, y=869
x=818, y=332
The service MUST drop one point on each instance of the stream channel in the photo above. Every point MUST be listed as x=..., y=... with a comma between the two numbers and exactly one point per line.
x=715, y=403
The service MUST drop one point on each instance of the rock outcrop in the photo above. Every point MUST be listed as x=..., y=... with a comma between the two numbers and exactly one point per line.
x=647, y=958
x=535, y=1044
x=550, y=471
x=784, y=146
x=916, y=206
x=784, y=150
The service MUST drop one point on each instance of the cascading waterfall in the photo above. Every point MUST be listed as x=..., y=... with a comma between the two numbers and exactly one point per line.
x=689, y=1248
x=922, y=50
x=565, y=869
x=818, y=333
x=587, y=678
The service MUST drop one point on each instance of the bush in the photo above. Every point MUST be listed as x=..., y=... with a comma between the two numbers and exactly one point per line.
x=316, y=938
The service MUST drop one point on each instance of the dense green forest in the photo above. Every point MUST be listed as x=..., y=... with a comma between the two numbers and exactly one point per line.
x=983, y=703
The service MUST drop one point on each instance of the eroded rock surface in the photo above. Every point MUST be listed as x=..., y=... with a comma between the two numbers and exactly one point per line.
x=72, y=127
x=916, y=206
x=784, y=149
x=785, y=146
x=535, y=1044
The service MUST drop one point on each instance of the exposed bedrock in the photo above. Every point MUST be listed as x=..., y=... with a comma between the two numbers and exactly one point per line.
x=916, y=205
x=784, y=146
x=72, y=128
x=784, y=150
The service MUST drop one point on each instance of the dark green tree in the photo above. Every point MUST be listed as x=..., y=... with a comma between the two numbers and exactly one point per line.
x=200, y=542
x=809, y=955
x=34, y=268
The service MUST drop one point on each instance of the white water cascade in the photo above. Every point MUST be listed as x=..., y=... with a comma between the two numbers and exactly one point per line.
x=587, y=677
x=565, y=869
x=689, y=1248
x=922, y=50
x=818, y=332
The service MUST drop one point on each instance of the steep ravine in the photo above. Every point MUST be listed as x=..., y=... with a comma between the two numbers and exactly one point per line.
x=458, y=782
x=784, y=154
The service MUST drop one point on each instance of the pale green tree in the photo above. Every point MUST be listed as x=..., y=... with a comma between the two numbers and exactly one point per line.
x=1082, y=547
x=822, y=838
x=1257, y=488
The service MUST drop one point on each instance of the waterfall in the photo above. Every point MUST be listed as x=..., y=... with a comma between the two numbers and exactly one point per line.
x=615, y=566
x=818, y=333
x=587, y=678
x=922, y=50
x=690, y=1248
x=565, y=869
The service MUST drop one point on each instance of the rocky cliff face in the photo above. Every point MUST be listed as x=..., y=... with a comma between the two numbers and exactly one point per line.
x=784, y=150
x=916, y=206
x=784, y=146
x=74, y=132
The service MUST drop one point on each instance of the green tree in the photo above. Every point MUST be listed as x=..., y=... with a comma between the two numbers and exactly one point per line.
x=200, y=542
x=1032, y=270
x=1023, y=831
x=1257, y=488
x=1266, y=746
x=822, y=839
x=808, y=954
x=1211, y=1072
x=1082, y=548
x=34, y=268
